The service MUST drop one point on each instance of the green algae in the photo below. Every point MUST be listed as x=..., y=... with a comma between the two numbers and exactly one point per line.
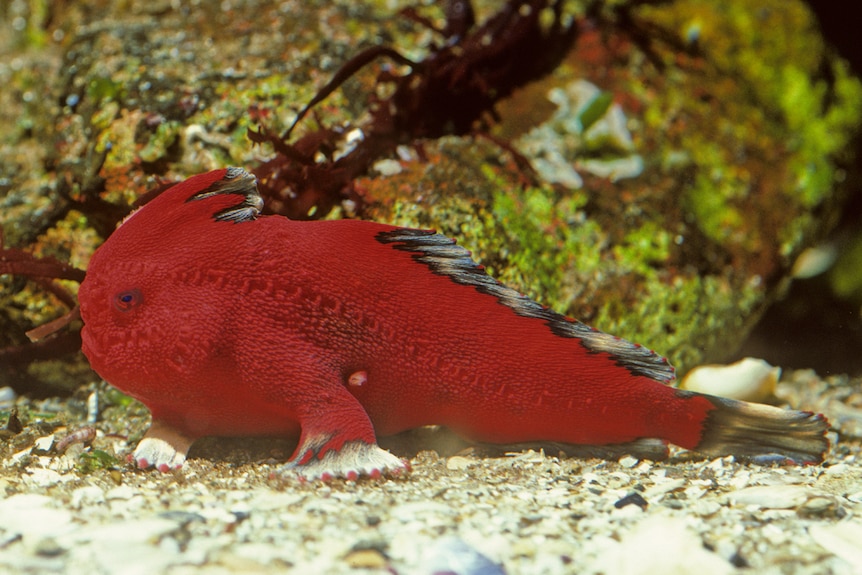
x=95, y=460
x=158, y=146
x=548, y=239
x=464, y=193
x=103, y=89
x=556, y=254
x=541, y=242
x=685, y=319
x=822, y=121
x=645, y=249
x=710, y=200
x=773, y=106
x=845, y=277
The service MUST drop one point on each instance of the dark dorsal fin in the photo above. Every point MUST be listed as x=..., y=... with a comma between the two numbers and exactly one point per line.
x=445, y=257
x=235, y=181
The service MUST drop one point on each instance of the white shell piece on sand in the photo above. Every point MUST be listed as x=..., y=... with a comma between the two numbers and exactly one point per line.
x=662, y=545
x=772, y=496
x=748, y=379
x=843, y=539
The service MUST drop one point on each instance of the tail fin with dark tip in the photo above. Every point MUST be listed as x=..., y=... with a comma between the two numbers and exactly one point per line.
x=762, y=433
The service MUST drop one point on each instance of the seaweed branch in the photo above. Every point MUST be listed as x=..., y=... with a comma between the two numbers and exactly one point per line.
x=452, y=91
x=42, y=271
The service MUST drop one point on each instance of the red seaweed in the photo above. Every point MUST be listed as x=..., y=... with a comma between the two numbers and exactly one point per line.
x=43, y=271
x=452, y=91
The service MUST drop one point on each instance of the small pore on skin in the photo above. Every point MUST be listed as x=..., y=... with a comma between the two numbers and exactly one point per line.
x=357, y=379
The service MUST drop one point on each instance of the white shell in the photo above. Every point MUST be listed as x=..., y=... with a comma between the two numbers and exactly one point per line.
x=748, y=379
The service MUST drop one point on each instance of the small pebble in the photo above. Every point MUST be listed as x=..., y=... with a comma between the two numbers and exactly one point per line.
x=661, y=545
x=48, y=547
x=44, y=477
x=387, y=167
x=93, y=407
x=843, y=539
x=458, y=463
x=7, y=398
x=121, y=493
x=632, y=499
x=821, y=507
x=87, y=495
x=628, y=461
x=366, y=559
x=453, y=555
x=772, y=496
x=43, y=444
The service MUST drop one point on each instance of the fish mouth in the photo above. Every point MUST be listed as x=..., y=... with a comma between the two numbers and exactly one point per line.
x=89, y=345
x=95, y=351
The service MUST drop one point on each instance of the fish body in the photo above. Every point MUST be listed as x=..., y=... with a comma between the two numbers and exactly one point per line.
x=225, y=322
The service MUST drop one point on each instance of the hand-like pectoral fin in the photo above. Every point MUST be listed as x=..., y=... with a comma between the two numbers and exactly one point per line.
x=354, y=459
x=163, y=447
x=338, y=441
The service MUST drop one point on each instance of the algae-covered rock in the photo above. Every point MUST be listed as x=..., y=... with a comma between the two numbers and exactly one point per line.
x=683, y=154
x=688, y=173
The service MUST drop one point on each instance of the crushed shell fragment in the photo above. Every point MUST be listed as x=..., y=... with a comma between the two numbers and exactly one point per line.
x=748, y=379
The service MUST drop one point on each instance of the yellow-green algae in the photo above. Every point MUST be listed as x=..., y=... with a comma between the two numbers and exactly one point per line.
x=541, y=242
x=772, y=105
x=845, y=277
x=742, y=144
x=28, y=19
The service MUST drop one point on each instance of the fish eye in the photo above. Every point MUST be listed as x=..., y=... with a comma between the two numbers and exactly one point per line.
x=127, y=300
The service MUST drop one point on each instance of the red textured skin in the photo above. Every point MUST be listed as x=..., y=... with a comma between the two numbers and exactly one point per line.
x=255, y=328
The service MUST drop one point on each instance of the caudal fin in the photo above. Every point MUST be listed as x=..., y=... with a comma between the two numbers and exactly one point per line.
x=763, y=433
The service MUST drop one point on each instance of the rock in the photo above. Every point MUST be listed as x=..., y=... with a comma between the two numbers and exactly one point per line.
x=453, y=555
x=366, y=559
x=458, y=463
x=88, y=495
x=843, y=539
x=44, y=477
x=661, y=545
x=773, y=496
x=33, y=516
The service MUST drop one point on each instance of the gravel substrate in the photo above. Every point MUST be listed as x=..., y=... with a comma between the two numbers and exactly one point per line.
x=527, y=512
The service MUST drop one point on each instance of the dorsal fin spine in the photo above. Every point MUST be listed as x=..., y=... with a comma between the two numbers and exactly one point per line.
x=443, y=256
x=235, y=181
